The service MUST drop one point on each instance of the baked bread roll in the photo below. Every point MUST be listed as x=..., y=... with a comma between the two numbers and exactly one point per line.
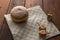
x=19, y=14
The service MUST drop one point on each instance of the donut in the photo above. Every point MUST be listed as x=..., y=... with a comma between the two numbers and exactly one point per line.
x=19, y=14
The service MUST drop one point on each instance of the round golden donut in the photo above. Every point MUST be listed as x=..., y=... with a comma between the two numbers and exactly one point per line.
x=19, y=14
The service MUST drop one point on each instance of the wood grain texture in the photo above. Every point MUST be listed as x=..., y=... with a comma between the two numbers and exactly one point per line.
x=3, y=9
x=14, y=3
x=5, y=33
x=57, y=14
x=31, y=3
x=53, y=7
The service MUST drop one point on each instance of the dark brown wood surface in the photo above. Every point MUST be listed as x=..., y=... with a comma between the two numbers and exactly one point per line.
x=31, y=3
x=49, y=6
x=53, y=7
x=3, y=9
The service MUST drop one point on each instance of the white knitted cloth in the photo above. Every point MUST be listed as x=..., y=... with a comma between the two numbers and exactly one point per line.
x=29, y=30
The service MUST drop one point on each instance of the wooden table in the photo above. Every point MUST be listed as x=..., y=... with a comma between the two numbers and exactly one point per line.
x=49, y=6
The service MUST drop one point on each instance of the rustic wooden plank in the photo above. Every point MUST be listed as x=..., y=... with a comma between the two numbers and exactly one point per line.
x=15, y=3
x=31, y=3
x=3, y=9
x=57, y=13
x=5, y=33
x=52, y=6
x=49, y=6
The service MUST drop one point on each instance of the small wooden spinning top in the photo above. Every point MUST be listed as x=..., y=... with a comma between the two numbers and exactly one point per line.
x=49, y=17
x=43, y=33
x=42, y=27
x=42, y=30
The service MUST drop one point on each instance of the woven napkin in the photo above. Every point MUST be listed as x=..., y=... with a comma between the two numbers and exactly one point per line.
x=29, y=30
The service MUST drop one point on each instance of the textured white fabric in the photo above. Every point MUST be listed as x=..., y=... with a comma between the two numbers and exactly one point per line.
x=29, y=30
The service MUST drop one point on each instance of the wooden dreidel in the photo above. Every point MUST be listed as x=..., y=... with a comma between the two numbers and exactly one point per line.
x=49, y=17
x=43, y=33
x=42, y=27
